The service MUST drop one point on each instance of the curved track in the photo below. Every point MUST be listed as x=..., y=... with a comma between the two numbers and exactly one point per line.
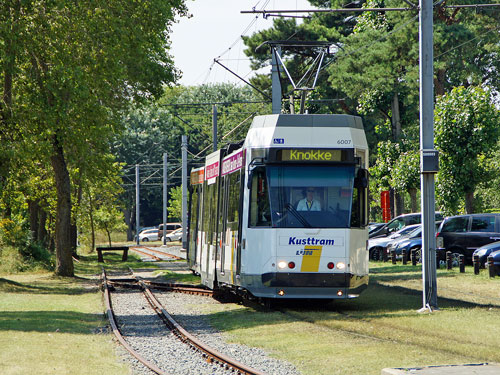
x=210, y=354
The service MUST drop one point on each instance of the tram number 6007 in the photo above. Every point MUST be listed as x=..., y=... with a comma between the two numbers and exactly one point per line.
x=344, y=142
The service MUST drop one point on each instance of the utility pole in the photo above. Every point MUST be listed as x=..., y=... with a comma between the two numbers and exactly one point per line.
x=214, y=126
x=137, y=211
x=184, y=192
x=165, y=197
x=427, y=153
x=275, y=81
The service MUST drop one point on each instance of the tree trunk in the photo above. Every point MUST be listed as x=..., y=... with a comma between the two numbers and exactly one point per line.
x=109, y=236
x=34, y=211
x=469, y=202
x=413, y=199
x=92, y=226
x=64, y=260
x=128, y=220
x=74, y=228
x=439, y=82
x=395, y=119
x=399, y=206
x=42, y=230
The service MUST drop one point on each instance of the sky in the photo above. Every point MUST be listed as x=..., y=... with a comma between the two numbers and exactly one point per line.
x=215, y=26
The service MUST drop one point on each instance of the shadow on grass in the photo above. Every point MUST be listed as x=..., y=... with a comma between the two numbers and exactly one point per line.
x=88, y=264
x=378, y=301
x=401, y=272
x=50, y=285
x=50, y=321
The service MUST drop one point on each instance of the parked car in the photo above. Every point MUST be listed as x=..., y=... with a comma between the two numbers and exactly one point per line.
x=496, y=261
x=410, y=242
x=399, y=222
x=374, y=226
x=377, y=246
x=176, y=235
x=484, y=251
x=463, y=234
x=148, y=235
x=170, y=228
x=142, y=230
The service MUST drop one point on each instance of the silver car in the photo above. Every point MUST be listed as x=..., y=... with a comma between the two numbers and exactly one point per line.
x=176, y=235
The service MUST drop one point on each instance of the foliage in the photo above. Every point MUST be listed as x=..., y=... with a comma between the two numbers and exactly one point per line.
x=387, y=154
x=175, y=203
x=467, y=126
x=405, y=174
x=157, y=128
x=65, y=81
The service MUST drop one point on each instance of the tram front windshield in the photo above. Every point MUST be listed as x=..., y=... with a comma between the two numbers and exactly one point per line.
x=302, y=196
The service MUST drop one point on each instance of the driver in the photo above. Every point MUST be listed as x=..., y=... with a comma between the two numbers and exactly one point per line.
x=309, y=203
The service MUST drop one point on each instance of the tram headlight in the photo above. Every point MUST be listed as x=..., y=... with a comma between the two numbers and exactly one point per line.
x=340, y=265
x=282, y=264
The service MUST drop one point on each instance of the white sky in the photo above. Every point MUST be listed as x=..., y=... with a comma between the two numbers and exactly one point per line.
x=215, y=26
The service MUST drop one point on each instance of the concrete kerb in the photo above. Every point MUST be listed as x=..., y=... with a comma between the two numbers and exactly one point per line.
x=468, y=369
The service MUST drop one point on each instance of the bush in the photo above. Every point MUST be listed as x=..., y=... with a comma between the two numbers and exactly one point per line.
x=18, y=253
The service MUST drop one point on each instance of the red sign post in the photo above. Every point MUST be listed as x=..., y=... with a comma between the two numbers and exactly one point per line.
x=385, y=203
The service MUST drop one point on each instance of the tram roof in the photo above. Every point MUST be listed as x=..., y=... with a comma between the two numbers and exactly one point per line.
x=308, y=120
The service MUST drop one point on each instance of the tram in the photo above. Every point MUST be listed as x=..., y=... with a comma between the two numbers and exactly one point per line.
x=284, y=214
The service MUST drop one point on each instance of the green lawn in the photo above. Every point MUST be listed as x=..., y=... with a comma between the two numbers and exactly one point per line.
x=382, y=328
x=49, y=324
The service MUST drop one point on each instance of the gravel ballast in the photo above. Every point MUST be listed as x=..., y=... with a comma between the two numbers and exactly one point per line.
x=148, y=335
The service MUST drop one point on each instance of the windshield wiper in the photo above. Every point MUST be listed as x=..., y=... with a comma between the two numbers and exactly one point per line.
x=295, y=213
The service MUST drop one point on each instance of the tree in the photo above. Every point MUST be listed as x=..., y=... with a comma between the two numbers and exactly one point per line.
x=157, y=128
x=467, y=126
x=68, y=71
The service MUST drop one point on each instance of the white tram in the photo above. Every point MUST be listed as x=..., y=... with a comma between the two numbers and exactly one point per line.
x=284, y=215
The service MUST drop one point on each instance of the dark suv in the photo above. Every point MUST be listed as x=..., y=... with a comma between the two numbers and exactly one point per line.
x=465, y=233
x=399, y=222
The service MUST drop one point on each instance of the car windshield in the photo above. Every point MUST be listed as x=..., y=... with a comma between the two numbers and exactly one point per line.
x=303, y=196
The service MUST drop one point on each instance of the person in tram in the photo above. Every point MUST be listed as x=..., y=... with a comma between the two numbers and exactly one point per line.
x=309, y=203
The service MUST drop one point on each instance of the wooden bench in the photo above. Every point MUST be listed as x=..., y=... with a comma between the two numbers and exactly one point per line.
x=112, y=248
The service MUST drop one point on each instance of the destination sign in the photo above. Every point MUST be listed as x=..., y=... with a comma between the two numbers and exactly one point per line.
x=315, y=155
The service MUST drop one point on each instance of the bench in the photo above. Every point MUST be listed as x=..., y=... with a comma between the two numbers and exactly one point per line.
x=112, y=248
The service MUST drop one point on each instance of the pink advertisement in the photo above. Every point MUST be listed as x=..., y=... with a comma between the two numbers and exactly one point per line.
x=212, y=171
x=232, y=163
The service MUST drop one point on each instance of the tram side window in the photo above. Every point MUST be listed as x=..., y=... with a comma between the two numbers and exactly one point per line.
x=233, y=198
x=210, y=211
x=360, y=199
x=260, y=212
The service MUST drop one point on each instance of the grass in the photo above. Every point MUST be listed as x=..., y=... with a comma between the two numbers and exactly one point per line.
x=50, y=325
x=380, y=329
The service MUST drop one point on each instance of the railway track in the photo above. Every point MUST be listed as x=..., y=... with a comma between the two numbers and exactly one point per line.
x=207, y=353
x=154, y=254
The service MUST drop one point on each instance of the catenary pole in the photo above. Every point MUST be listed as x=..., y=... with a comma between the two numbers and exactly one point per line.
x=427, y=143
x=184, y=191
x=165, y=197
x=214, y=127
x=137, y=210
x=275, y=81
